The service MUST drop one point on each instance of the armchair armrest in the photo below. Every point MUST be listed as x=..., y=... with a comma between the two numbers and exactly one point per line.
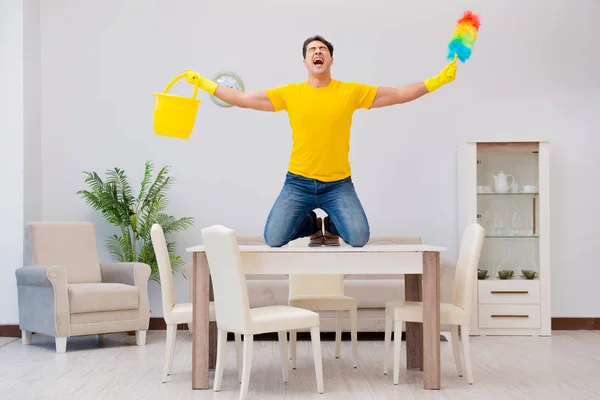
x=134, y=274
x=128, y=273
x=43, y=300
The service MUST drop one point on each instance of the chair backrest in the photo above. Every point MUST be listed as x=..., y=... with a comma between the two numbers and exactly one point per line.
x=165, y=271
x=232, y=306
x=300, y=284
x=330, y=284
x=71, y=245
x=466, y=266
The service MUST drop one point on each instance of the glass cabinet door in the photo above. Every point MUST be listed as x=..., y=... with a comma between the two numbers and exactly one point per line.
x=508, y=210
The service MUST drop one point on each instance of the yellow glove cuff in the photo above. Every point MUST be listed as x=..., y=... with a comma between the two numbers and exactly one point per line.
x=432, y=83
x=208, y=85
x=196, y=79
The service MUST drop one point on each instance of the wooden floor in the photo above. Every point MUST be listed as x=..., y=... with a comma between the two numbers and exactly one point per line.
x=565, y=366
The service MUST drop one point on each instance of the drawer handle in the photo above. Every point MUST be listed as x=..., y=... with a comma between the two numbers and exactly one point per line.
x=510, y=316
x=509, y=291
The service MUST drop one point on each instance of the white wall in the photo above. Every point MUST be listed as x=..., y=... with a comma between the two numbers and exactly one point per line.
x=20, y=147
x=101, y=62
x=11, y=155
x=32, y=112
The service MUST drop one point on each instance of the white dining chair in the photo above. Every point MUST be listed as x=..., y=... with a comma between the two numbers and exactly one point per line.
x=233, y=312
x=457, y=314
x=323, y=293
x=187, y=273
x=175, y=313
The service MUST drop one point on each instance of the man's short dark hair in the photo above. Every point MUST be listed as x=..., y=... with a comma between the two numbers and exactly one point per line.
x=320, y=39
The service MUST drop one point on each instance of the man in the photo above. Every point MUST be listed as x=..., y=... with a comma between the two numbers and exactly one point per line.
x=319, y=174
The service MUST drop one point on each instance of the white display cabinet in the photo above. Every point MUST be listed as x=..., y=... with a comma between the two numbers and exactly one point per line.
x=505, y=187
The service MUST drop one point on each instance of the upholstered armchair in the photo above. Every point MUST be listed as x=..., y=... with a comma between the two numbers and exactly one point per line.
x=66, y=291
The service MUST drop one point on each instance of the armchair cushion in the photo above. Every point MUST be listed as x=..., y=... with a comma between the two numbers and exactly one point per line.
x=96, y=297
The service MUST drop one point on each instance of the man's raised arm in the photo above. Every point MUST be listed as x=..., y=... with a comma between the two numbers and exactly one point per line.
x=256, y=100
x=387, y=96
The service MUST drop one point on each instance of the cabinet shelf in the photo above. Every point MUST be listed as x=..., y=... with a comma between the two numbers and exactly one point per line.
x=496, y=279
x=512, y=236
x=509, y=194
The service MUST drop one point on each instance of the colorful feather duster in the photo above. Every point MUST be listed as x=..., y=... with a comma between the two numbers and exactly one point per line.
x=464, y=36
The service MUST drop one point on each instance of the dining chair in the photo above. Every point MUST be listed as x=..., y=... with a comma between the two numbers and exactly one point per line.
x=233, y=312
x=323, y=293
x=187, y=272
x=457, y=313
x=176, y=313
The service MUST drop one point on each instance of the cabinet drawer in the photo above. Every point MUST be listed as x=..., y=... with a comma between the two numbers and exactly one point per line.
x=509, y=292
x=509, y=316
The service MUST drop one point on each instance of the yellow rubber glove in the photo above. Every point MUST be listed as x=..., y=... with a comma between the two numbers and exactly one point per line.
x=196, y=79
x=446, y=75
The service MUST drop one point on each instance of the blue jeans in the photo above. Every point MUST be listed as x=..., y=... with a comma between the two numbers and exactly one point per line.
x=292, y=215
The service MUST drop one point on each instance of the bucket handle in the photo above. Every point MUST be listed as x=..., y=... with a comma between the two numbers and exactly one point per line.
x=178, y=77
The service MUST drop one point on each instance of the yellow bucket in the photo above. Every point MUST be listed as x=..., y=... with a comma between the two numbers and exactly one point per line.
x=174, y=116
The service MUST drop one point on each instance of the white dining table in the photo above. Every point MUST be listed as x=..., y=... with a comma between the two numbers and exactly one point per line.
x=419, y=263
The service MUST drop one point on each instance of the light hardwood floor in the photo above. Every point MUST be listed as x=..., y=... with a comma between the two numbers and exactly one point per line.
x=565, y=366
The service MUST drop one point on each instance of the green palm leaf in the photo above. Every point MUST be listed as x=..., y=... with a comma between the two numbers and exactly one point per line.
x=117, y=247
x=148, y=168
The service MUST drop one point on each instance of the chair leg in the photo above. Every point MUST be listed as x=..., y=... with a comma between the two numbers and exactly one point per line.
x=173, y=347
x=238, y=354
x=293, y=348
x=315, y=337
x=26, y=337
x=387, y=341
x=464, y=333
x=397, y=344
x=338, y=334
x=248, y=340
x=169, y=350
x=61, y=344
x=140, y=338
x=284, y=354
x=456, y=348
x=221, y=342
x=354, y=334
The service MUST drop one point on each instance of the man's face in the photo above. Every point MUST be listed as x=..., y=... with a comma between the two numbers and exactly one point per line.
x=318, y=59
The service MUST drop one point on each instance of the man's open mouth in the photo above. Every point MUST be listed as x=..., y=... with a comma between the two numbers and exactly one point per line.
x=318, y=61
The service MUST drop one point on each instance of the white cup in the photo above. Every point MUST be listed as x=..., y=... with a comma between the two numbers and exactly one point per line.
x=515, y=187
x=529, y=188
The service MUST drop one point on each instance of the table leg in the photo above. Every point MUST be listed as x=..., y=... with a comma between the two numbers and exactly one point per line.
x=431, y=320
x=414, y=330
x=200, y=347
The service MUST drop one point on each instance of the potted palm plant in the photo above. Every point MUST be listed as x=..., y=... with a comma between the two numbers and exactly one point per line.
x=134, y=215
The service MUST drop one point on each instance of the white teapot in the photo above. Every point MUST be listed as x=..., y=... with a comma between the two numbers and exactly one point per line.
x=501, y=182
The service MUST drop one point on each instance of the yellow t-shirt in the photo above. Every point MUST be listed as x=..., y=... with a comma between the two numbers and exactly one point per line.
x=320, y=119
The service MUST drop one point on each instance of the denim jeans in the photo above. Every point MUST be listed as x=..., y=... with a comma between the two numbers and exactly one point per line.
x=292, y=214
